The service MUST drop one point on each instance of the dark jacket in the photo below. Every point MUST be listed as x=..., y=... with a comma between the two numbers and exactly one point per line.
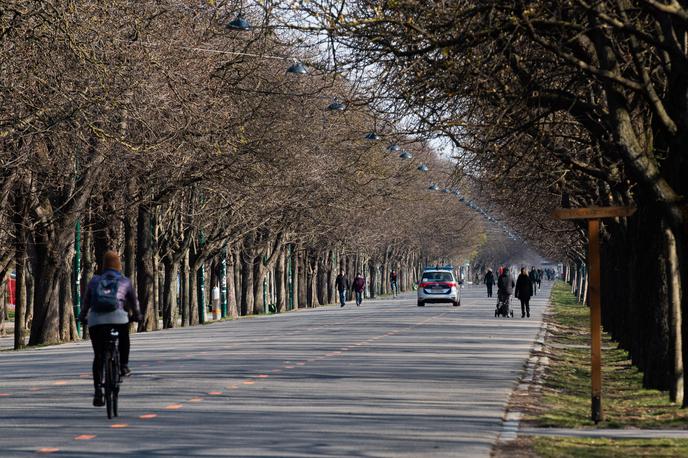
x=506, y=284
x=533, y=275
x=489, y=278
x=524, y=287
x=358, y=284
x=342, y=283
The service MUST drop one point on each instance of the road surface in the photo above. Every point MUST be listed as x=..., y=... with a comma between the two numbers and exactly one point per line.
x=388, y=379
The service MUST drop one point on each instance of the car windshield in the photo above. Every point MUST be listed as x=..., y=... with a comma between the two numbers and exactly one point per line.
x=437, y=276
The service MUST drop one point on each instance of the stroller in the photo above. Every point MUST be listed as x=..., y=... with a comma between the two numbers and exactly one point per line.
x=503, y=306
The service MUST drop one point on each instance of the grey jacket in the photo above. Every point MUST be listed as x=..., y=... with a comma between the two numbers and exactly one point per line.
x=127, y=303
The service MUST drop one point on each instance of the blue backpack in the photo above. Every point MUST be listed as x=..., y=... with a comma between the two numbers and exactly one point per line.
x=105, y=293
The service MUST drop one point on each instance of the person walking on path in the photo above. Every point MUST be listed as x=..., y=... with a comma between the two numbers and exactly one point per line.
x=393, y=283
x=489, y=281
x=110, y=302
x=533, y=275
x=342, y=284
x=524, y=290
x=358, y=286
x=505, y=287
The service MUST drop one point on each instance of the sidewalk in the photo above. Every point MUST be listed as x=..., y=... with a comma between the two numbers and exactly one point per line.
x=607, y=433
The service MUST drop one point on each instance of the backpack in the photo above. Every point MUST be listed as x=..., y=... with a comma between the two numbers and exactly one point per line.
x=105, y=294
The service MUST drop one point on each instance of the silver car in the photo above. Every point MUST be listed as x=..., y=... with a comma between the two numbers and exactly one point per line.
x=438, y=285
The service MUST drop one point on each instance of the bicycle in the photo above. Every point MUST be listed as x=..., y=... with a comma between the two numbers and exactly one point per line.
x=111, y=373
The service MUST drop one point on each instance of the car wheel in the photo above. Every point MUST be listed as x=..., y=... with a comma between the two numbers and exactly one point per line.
x=421, y=304
x=456, y=303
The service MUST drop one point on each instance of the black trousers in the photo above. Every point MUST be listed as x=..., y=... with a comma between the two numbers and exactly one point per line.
x=489, y=290
x=525, y=306
x=99, y=337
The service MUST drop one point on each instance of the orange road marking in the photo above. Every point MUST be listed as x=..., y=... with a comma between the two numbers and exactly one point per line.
x=48, y=450
x=119, y=425
x=85, y=437
x=288, y=367
x=174, y=406
x=249, y=382
x=148, y=416
x=215, y=393
x=195, y=399
x=300, y=363
x=60, y=382
x=263, y=376
x=35, y=388
x=232, y=387
x=4, y=395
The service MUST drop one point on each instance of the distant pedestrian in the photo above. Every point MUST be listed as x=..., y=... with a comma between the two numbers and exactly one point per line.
x=533, y=275
x=393, y=283
x=358, y=286
x=524, y=290
x=342, y=284
x=541, y=273
x=489, y=281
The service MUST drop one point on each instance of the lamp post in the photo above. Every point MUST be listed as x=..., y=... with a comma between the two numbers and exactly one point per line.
x=223, y=283
x=77, y=274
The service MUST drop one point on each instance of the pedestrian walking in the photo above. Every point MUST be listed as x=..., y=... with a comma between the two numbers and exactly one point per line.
x=524, y=291
x=533, y=279
x=358, y=286
x=489, y=281
x=342, y=284
x=393, y=283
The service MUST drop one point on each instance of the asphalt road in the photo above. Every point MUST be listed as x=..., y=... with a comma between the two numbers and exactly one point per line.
x=387, y=379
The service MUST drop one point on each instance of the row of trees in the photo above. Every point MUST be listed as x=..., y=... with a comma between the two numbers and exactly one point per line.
x=546, y=99
x=153, y=129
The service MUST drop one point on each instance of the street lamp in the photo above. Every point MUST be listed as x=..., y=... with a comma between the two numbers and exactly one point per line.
x=297, y=68
x=239, y=24
x=393, y=148
x=423, y=168
x=406, y=155
x=434, y=187
x=336, y=105
x=372, y=136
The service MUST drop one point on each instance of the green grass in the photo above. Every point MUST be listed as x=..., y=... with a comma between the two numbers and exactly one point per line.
x=566, y=391
x=555, y=447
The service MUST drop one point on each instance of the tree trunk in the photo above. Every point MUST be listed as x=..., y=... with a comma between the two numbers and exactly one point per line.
x=676, y=391
x=169, y=303
x=145, y=271
x=281, y=282
x=232, y=309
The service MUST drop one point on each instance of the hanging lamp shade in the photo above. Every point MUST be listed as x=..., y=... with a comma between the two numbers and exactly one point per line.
x=434, y=187
x=456, y=193
x=423, y=168
x=406, y=155
x=393, y=148
x=445, y=191
x=336, y=105
x=372, y=136
x=297, y=68
x=240, y=24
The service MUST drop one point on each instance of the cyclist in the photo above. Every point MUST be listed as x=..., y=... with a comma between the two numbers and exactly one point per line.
x=109, y=302
x=393, y=283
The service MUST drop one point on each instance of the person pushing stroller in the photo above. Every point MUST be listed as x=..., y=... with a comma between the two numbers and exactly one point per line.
x=505, y=288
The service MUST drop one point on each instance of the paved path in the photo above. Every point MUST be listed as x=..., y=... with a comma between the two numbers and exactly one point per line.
x=607, y=433
x=386, y=379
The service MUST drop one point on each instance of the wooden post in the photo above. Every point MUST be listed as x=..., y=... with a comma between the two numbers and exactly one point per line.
x=595, y=317
x=593, y=215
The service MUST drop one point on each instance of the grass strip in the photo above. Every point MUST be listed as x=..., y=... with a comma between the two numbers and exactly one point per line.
x=556, y=447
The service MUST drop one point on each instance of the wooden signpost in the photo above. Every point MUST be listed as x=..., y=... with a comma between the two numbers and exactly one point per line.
x=593, y=215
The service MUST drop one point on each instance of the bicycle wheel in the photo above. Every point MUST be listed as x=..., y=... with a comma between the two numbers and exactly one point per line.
x=109, y=385
x=115, y=384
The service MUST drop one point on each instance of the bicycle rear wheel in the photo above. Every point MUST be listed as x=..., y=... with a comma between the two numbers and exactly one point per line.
x=109, y=384
x=115, y=383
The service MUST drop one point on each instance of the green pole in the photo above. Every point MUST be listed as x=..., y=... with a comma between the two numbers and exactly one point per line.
x=201, y=293
x=77, y=274
x=223, y=283
x=290, y=281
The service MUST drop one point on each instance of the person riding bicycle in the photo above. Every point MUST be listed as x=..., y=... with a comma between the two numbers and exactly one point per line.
x=110, y=302
x=505, y=287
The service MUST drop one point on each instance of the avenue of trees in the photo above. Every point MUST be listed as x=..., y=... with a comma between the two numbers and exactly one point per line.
x=153, y=129
x=580, y=101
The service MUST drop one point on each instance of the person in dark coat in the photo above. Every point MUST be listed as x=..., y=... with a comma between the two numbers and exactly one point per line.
x=342, y=284
x=505, y=286
x=489, y=281
x=533, y=280
x=524, y=291
x=358, y=286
